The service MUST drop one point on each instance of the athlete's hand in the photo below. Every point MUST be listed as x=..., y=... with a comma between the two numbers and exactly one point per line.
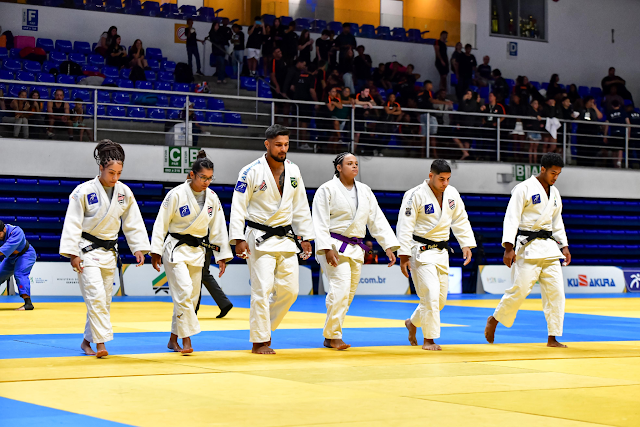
x=405, y=267
x=391, y=256
x=466, y=255
x=139, y=258
x=332, y=257
x=567, y=256
x=223, y=267
x=76, y=263
x=156, y=261
x=306, y=250
x=509, y=256
x=242, y=249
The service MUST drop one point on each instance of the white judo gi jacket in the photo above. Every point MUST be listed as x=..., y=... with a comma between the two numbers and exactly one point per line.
x=531, y=209
x=180, y=213
x=333, y=212
x=91, y=211
x=256, y=198
x=421, y=215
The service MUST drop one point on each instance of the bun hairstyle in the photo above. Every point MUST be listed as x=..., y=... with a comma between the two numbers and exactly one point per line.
x=338, y=161
x=106, y=151
x=202, y=162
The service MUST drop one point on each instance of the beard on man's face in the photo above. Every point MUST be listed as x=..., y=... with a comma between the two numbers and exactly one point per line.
x=277, y=157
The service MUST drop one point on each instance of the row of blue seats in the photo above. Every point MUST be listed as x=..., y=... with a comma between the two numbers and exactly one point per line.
x=94, y=63
x=160, y=115
x=112, y=75
x=66, y=186
x=63, y=49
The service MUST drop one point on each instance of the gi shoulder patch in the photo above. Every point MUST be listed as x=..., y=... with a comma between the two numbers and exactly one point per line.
x=92, y=198
x=452, y=204
x=184, y=210
x=294, y=182
x=407, y=211
x=121, y=198
x=535, y=199
x=241, y=187
x=428, y=209
x=210, y=211
x=263, y=186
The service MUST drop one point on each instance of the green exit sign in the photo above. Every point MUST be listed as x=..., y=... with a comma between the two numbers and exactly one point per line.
x=522, y=172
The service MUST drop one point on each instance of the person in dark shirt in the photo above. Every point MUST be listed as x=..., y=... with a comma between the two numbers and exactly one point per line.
x=467, y=124
x=323, y=46
x=517, y=108
x=218, y=51
x=612, y=80
x=617, y=134
x=237, y=41
x=466, y=67
x=453, y=62
x=305, y=43
x=117, y=55
x=634, y=136
x=303, y=89
x=254, y=45
x=379, y=77
x=522, y=89
x=484, y=77
x=554, y=88
x=552, y=111
x=278, y=75
x=321, y=79
x=226, y=31
x=277, y=31
x=494, y=110
x=572, y=93
x=364, y=114
x=192, y=46
x=500, y=85
x=362, y=64
x=289, y=45
x=345, y=41
x=534, y=127
x=267, y=48
x=588, y=139
x=442, y=60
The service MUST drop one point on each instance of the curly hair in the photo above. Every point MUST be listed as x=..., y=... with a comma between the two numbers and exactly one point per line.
x=106, y=151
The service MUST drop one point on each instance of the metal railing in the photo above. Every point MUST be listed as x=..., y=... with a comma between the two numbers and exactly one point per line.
x=415, y=133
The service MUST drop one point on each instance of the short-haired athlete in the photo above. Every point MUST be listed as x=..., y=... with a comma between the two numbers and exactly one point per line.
x=271, y=198
x=425, y=221
x=534, y=240
x=17, y=258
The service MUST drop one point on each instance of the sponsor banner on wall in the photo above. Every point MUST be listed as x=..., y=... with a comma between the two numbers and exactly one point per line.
x=496, y=279
x=632, y=277
x=58, y=278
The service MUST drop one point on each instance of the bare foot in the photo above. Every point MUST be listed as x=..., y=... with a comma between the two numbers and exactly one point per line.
x=173, y=343
x=86, y=347
x=102, y=351
x=490, y=329
x=262, y=348
x=412, y=332
x=552, y=342
x=186, y=346
x=336, y=343
x=430, y=345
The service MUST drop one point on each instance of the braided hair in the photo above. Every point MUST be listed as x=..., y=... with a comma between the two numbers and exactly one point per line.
x=106, y=151
x=338, y=161
x=202, y=162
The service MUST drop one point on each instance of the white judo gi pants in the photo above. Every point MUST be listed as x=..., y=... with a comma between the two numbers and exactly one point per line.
x=184, y=283
x=524, y=274
x=432, y=285
x=96, y=286
x=343, y=283
x=274, y=288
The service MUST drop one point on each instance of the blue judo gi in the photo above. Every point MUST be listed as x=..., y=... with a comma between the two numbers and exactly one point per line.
x=17, y=265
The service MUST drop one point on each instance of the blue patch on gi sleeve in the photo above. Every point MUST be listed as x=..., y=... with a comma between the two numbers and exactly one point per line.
x=241, y=187
x=535, y=199
x=184, y=210
x=92, y=198
x=428, y=209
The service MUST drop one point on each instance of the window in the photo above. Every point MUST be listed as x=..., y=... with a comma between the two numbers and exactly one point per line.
x=525, y=19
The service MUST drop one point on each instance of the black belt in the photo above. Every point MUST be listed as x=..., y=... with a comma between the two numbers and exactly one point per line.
x=430, y=244
x=96, y=243
x=196, y=242
x=282, y=231
x=532, y=235
x=24, y=250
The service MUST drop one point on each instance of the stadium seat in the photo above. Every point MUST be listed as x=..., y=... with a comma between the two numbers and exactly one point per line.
x=413, y=35
x=104, y=96
x=150, y=75
x=43, y=91
x=318, y=25
x=214, y=117
x=12, y=65
x=268, y=19
x=133, y=10
x=125, y=73
x=25, y=76
x=583, y=91
x=65, y=80
x=286, y=20
x=165, y=76
x=170, y=10
x=4, y=54
x=198, y=116
x=383, y=32
x=355, y=28
x=163, y=101
x=6, y=75
x=215, y=104
x=14, y=90
x=114, y=9
x=78, y=58
x=206, y=14
x=335, y=26
x=232, y=118
x=90, y=68
x=83, y=94
x=169, y=66
x=536, y=85
x=187, y=11
x=367, y=31
x=64, y=46
x=95, y=5
x=121, y=98
x=596, y=92
x=111, y=72
x=178, y=101
x=15, y=53
x=115, y=111
x=545, y=86
x=248, y=83
x=141, y=84
x=45, y=44
x=150, y=8
x=399, y=34
x=32, y=66
x=82, y=47
x=136, y=112
x=162, y=86
x=116, y=4
x=97, y=60
x=154, y=64
x=56, y=56
x=154, y=53
x=173, y=114
x=199, y=103
x=110, y=81
x=181, y=87
x=302, y=24
x=157, y=114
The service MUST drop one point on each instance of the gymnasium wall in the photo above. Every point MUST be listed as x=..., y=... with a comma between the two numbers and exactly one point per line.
x=69, y=159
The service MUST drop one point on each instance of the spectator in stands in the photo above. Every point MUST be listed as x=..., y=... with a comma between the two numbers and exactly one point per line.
x=411, y=74
x=321, y=79
x=634, y=136
x=254, y=45
x=346, y=68
x=483, y=76
x=305, y=44
x=392, y=111
x=409, y=132
x=77, y=120
x=58, y=111
x=346, y=42
x=339, y=113
x=289, y=45
x=278, y=33
x=500, y=85
x=333, y=53
x=550, y=111
x=466, y=67
x=36, y=118
x=117, y=55
x=588, y=140
x=611, y=97
x=573, y=93
x=267, y=48
x=218, y=51
x=379, y=77
x=493, y=109
x=237, y=41
x=226, y=32
x=567, y=109
x=364, y=114
x=303, y=89
x=442, y=60
x=616, y=134
x=457, y=51
x=612, y=80
x=470, y=103
x=21, y=111
x=192, y=47
x=106, y=39
x=517, y=108
x=136, y=56
x=554, y=88
x=323, y=47
x=278, y=75
x=534, y=128
x=362, y=65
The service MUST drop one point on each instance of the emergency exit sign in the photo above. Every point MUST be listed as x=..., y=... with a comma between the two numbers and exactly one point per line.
x=522, y=172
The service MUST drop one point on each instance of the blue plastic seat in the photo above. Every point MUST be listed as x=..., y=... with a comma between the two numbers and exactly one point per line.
x=596, y=92
x=78, y=58
x=169, y=10
x=286, y=20
x=215, y=104
x=57, y=56
x=187, y=11
x=104, y=96
x=6, y=75
x=198, y=116
x=163, y=101
x=83, y=48
x=355, y=28
x=150, y=75
x=12, y=65
x=65, y=80
x=166, y=76
x=536, y=85
x=116, y=111
x=367, y=31
x=97, y=60
x=157, y=114
x=199, y=103
x=32, y=66
x=110, y=72
x=83, y=94
x=45, y=44
x=302, y=24
x=383, y=32
x=136, y=112
x=583, y=91
x=169, y=66
x=43, y=91
x=399, y=34
x=233, y=118
x=25, y=76
x=152, y=52
x=64, y=46
x=173, y=114
x=121, y=98
x=114, y=8
x=206, y=14
x=14, y=90
x=133, y=10
x=162, y=86
x=178, y=101
x=318, y=25
x=125, y=73
x=335, y=26
x=248, y=83
x=154, y=64
x=125, y=83
x=268, y=19
x=181, y=87
x=141, y=84
x=15, y=53
x=4, y=54
x=90, y=68
x=95, y=5
x=150, y=8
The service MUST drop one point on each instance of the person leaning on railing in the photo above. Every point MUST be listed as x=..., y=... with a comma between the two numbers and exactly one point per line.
x=21, y=108
x=588, y=139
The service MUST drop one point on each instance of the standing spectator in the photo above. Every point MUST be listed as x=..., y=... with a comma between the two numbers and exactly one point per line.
x=616, y=134
x=379, y=77
x=278, y=33
x=289, y=45
x=333, y=52
x=554, y=88
x=442, y=61
x=117, y=55
x=21, y=108
x=323, y=47
x=339, y=113
x=105, y=41
x=470, y=103
x=494, y=110
x=77, y=120
x=346, y=42
x=305, y=43
x=321, y=79
x=612, y=80
x=362, y=65
x=551, y=111
x=278, y=75
x=36, y=118
x=267, y=48
x=483, y=77
x=218, y=51
x=237, y=41
x=466, y=67
x=364, y=114
x=517, y=108
x=346, y=68
x=588, y=140
x=453, y=62
x=58, y=111
x=192, y=46
x=226, y=33
x=254, y=45
x=573, y=93
x=303, y=89
x=611, y=97
x=534, y=127
x=500, y=85
x=136, y=56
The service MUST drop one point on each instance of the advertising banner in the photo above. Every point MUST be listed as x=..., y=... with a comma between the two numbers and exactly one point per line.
x=632, y=277
x=58, y=278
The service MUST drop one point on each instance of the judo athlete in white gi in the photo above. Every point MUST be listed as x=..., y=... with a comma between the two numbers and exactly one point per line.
x=96, y=210
x=271, y=197
x=425, y=221
x=342, y=210
x=534, y=240
x=190, y=219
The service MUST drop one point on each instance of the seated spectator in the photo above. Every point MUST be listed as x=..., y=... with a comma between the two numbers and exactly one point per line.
x=517, y=108
x=362, y=65
x=616, y=134
x=490, y=123
x=611, y=97
x=77, y=120
x=567, y=109
x=483, y=75
x=534, y=128
x=196, y=128
x=445, y=128
x=500, y=86
x=634, y=136
x=21, y=111
x=340, y=114
x=136, y=56
x=237, y=41
x=588, y=140
x=551, y=111
x=611, y=80
x=467, y=124
x=572, y=93
x=364, y=114
x=105, y=41
x=305, y=43
x=411, y=74
x=321, y=79
x=58, y=111
x=379, y=77
x=554, y=88
x=346, y=68
x=36, y=118
x=347, y=97
x=392, y=113
x=117, y=55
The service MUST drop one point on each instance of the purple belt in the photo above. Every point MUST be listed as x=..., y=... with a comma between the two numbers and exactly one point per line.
x=349, y=241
